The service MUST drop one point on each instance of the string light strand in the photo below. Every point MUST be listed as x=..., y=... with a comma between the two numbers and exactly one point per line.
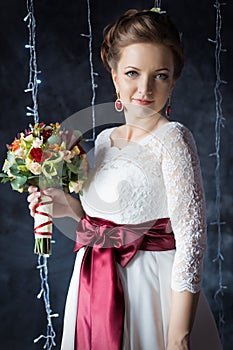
x=157, y=4
x=157, y=7
x=33, y=81
x=219, y=123
x=93, y=74
x=32, y=87
x=45, y=292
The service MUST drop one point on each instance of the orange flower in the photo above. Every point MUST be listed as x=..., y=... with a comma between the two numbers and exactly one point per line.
x=54, y=147
x=15, y=145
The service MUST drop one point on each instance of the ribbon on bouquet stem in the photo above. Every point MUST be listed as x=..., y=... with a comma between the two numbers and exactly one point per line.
x=43, y=221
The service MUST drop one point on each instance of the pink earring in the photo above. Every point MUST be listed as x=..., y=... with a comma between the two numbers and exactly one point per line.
x=168, y=108
x=118, y=104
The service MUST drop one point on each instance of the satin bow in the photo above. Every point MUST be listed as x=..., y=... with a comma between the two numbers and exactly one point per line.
x=100, y=314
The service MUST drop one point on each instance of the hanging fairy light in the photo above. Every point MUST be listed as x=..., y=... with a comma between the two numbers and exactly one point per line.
x=157, y=7
x=32, y=88
x=33, y=81
x=157, y=4
x=93, y=74
x=219, y=123
x=45, y=292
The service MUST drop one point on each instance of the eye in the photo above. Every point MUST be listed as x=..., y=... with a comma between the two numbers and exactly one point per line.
x=161, y=76
x=132, y=74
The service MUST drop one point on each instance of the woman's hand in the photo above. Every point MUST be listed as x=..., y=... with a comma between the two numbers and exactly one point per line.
x=183, y=309
x=182, y=344
x=63, y=203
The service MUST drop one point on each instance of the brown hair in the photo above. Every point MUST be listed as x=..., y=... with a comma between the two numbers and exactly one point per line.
x=140, y=27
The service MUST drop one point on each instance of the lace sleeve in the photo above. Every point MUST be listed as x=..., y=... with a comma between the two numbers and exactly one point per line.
x=186, y=207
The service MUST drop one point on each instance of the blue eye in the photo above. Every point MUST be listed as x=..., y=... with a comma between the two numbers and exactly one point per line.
x=161, y=76
x=131, y=74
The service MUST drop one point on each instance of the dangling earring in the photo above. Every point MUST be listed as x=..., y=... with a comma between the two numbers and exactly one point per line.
x=118, y=104
x=168, y=108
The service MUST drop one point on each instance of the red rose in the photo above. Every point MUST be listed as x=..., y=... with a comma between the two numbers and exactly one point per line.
x=47, y=132
x=36, y=154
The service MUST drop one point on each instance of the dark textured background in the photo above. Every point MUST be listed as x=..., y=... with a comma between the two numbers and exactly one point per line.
x=65, y=89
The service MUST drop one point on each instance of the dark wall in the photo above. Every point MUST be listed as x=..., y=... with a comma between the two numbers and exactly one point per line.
x=65, y=89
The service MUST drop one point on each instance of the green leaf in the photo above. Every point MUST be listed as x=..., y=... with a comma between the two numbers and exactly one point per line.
x=54, y=139
x=14, y=170
x=32, y=177
x=8, y=162
x=5, y=180
x=18, y=182
x=72, y=168
x=22, y=168
x=10, y=157
x=19, y=161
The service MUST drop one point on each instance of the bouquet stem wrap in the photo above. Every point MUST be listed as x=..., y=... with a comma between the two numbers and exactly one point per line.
x=43, y=225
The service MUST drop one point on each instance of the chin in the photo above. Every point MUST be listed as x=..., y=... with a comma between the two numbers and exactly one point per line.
x=138, y=111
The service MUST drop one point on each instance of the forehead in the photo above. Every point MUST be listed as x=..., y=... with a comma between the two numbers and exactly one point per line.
x=146, y=55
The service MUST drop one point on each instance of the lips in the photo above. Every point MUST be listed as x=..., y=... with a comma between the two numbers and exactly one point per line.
x=142, y=102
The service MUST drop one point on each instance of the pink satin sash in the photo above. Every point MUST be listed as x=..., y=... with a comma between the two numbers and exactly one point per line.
x=100, y=314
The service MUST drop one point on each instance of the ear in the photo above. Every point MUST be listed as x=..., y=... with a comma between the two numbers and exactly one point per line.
x=114, y=78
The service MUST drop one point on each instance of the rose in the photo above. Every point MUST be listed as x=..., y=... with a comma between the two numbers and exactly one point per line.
x=35, y=168
x=37, y=142
x=67, y=156
x=75, y=186
x=19, y=152
x=47, y=132
x=36, y=154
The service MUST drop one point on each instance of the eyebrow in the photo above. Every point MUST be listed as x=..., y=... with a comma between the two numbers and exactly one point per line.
x=156, y=70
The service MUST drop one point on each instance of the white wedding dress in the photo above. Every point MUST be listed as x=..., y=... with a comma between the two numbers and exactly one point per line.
x=158, y=177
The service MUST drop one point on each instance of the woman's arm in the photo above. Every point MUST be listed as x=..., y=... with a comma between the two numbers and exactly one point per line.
x=186, y=208
x=182, y=315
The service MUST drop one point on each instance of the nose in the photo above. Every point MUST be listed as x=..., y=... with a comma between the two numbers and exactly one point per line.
x=145, y=86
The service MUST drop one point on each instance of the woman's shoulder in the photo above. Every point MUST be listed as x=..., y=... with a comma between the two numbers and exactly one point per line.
x=174, y=130
x=175, y=135
x=173, y=126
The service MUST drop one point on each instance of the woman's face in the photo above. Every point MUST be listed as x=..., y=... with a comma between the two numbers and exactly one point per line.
x=144, y=76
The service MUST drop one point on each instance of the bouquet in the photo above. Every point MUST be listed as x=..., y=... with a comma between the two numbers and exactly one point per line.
x=45, y=156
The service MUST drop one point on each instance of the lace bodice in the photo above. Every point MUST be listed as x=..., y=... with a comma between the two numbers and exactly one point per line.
x=155, y=178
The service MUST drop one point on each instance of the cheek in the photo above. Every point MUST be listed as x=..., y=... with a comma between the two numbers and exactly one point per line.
x=126, y=86
x=163, y=88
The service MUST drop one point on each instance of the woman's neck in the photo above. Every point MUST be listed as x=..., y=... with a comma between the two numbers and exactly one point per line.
x=136, y=128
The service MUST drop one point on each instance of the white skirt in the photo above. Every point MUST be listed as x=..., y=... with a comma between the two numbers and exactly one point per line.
x=146, y=282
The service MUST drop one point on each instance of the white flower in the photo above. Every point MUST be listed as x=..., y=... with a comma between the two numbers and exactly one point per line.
x=67, y=156
x=19, y=152
x=75, y=186
x=35, y=168
x=37, y=142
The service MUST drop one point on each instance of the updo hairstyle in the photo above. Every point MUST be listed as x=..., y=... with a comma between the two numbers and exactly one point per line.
x=141, y=27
